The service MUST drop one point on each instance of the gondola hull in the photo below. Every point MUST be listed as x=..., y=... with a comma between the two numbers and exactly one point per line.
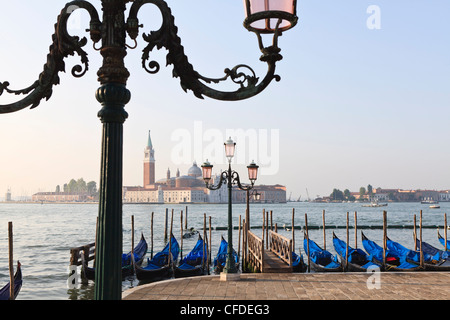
x=5, y=291
x=358, y=260
x=194, y=263
x=127, y=268
x=440, y=259
x=181, y=272
x=221, y=257
x=320, y=260
x=160, y=273
x=393, y=262
x=298, y=264
x=162, y=265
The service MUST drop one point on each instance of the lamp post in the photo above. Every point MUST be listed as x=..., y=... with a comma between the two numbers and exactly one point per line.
x=109, y=36
x=230, y=177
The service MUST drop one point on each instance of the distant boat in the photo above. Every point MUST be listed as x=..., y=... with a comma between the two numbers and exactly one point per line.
x=428, y=201
x=375, y=204
x=435, y=206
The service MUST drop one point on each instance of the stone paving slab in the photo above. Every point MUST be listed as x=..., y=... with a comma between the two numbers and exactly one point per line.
x=301, y=286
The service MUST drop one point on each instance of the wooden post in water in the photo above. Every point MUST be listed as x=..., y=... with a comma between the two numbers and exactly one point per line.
x=267, y=229
x=415, y=234
x=356, y=230
x=210, y=239
x=165, y=225
x=239, y=239
x=346, y=247
x=293, y=233
x=324, y=233
x=11, y=260
x=204, y=257
x=307, y=242
x=421, y=251
x=151, y=234
x=384, y=238
x=186, y=220
x=170, y=239
x=445, y=230
x=181, y=239
x=271, y=221
x=263, y=225
x=132, y=234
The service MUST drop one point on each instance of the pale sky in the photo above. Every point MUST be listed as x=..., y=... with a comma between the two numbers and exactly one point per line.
x=364, y=98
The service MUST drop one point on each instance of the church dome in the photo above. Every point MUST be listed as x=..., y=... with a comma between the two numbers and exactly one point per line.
x=195, y=171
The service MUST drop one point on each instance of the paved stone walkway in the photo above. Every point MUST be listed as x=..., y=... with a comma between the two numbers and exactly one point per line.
x=301, y=286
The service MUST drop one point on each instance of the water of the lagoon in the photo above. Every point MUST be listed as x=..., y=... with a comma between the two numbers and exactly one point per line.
x=44, y=233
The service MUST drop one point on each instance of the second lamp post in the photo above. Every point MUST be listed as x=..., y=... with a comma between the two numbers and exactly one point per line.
x=230, y=178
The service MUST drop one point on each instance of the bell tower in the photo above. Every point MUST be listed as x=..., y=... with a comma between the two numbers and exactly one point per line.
x=149, y=163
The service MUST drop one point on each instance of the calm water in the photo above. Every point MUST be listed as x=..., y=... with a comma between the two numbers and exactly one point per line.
x=44, y=233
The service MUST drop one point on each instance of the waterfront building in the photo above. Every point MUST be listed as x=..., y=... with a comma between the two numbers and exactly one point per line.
x=60, y=197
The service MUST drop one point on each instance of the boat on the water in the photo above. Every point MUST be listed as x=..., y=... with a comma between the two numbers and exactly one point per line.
x=393, y=260
x=162, y=264
x=5, y=291
x=139, y=252
x=320, y=260
x=194, y=264
x=221, y=257
x=375, y=205
x=358, y=260
x=440, y=259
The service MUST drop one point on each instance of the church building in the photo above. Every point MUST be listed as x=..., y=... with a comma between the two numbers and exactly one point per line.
x=188, y=188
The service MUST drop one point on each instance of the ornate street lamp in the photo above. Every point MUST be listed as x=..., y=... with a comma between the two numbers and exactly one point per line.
x=113, y=95
x=230, y=178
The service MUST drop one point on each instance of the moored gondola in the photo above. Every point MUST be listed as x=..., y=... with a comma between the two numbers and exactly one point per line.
x=298, y=263
x=139, y=252
x=440, y=260
x=358, y=260
x=408, y=255
x=162, y=264
x=393, y=260
x=221, y=257
x=320, y=260
x=5, y=291
x=442, y=241
x=194, y=264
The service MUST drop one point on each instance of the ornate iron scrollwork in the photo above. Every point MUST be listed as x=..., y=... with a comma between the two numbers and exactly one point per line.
x=63, y=46
x=190, y=79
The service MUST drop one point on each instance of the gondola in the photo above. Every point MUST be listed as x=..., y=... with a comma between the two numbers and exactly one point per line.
x=4, y=292
x=162, y=264
x=393, y=260
x=298, y=264
x=442, y=241
x=440, y=259
x=221, y=257
x=407, y=254
x=127, y=266
x=194, y=264
x=358, y=260
x=320, y=260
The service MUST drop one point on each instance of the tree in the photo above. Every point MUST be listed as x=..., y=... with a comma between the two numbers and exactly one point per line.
x=58, y=189
x=91, y=187
x=347, y=194
x=72, y=186
x=362, y=192
x=337, y=195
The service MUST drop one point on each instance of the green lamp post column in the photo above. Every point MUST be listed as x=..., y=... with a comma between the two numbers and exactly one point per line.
x=113, y=96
